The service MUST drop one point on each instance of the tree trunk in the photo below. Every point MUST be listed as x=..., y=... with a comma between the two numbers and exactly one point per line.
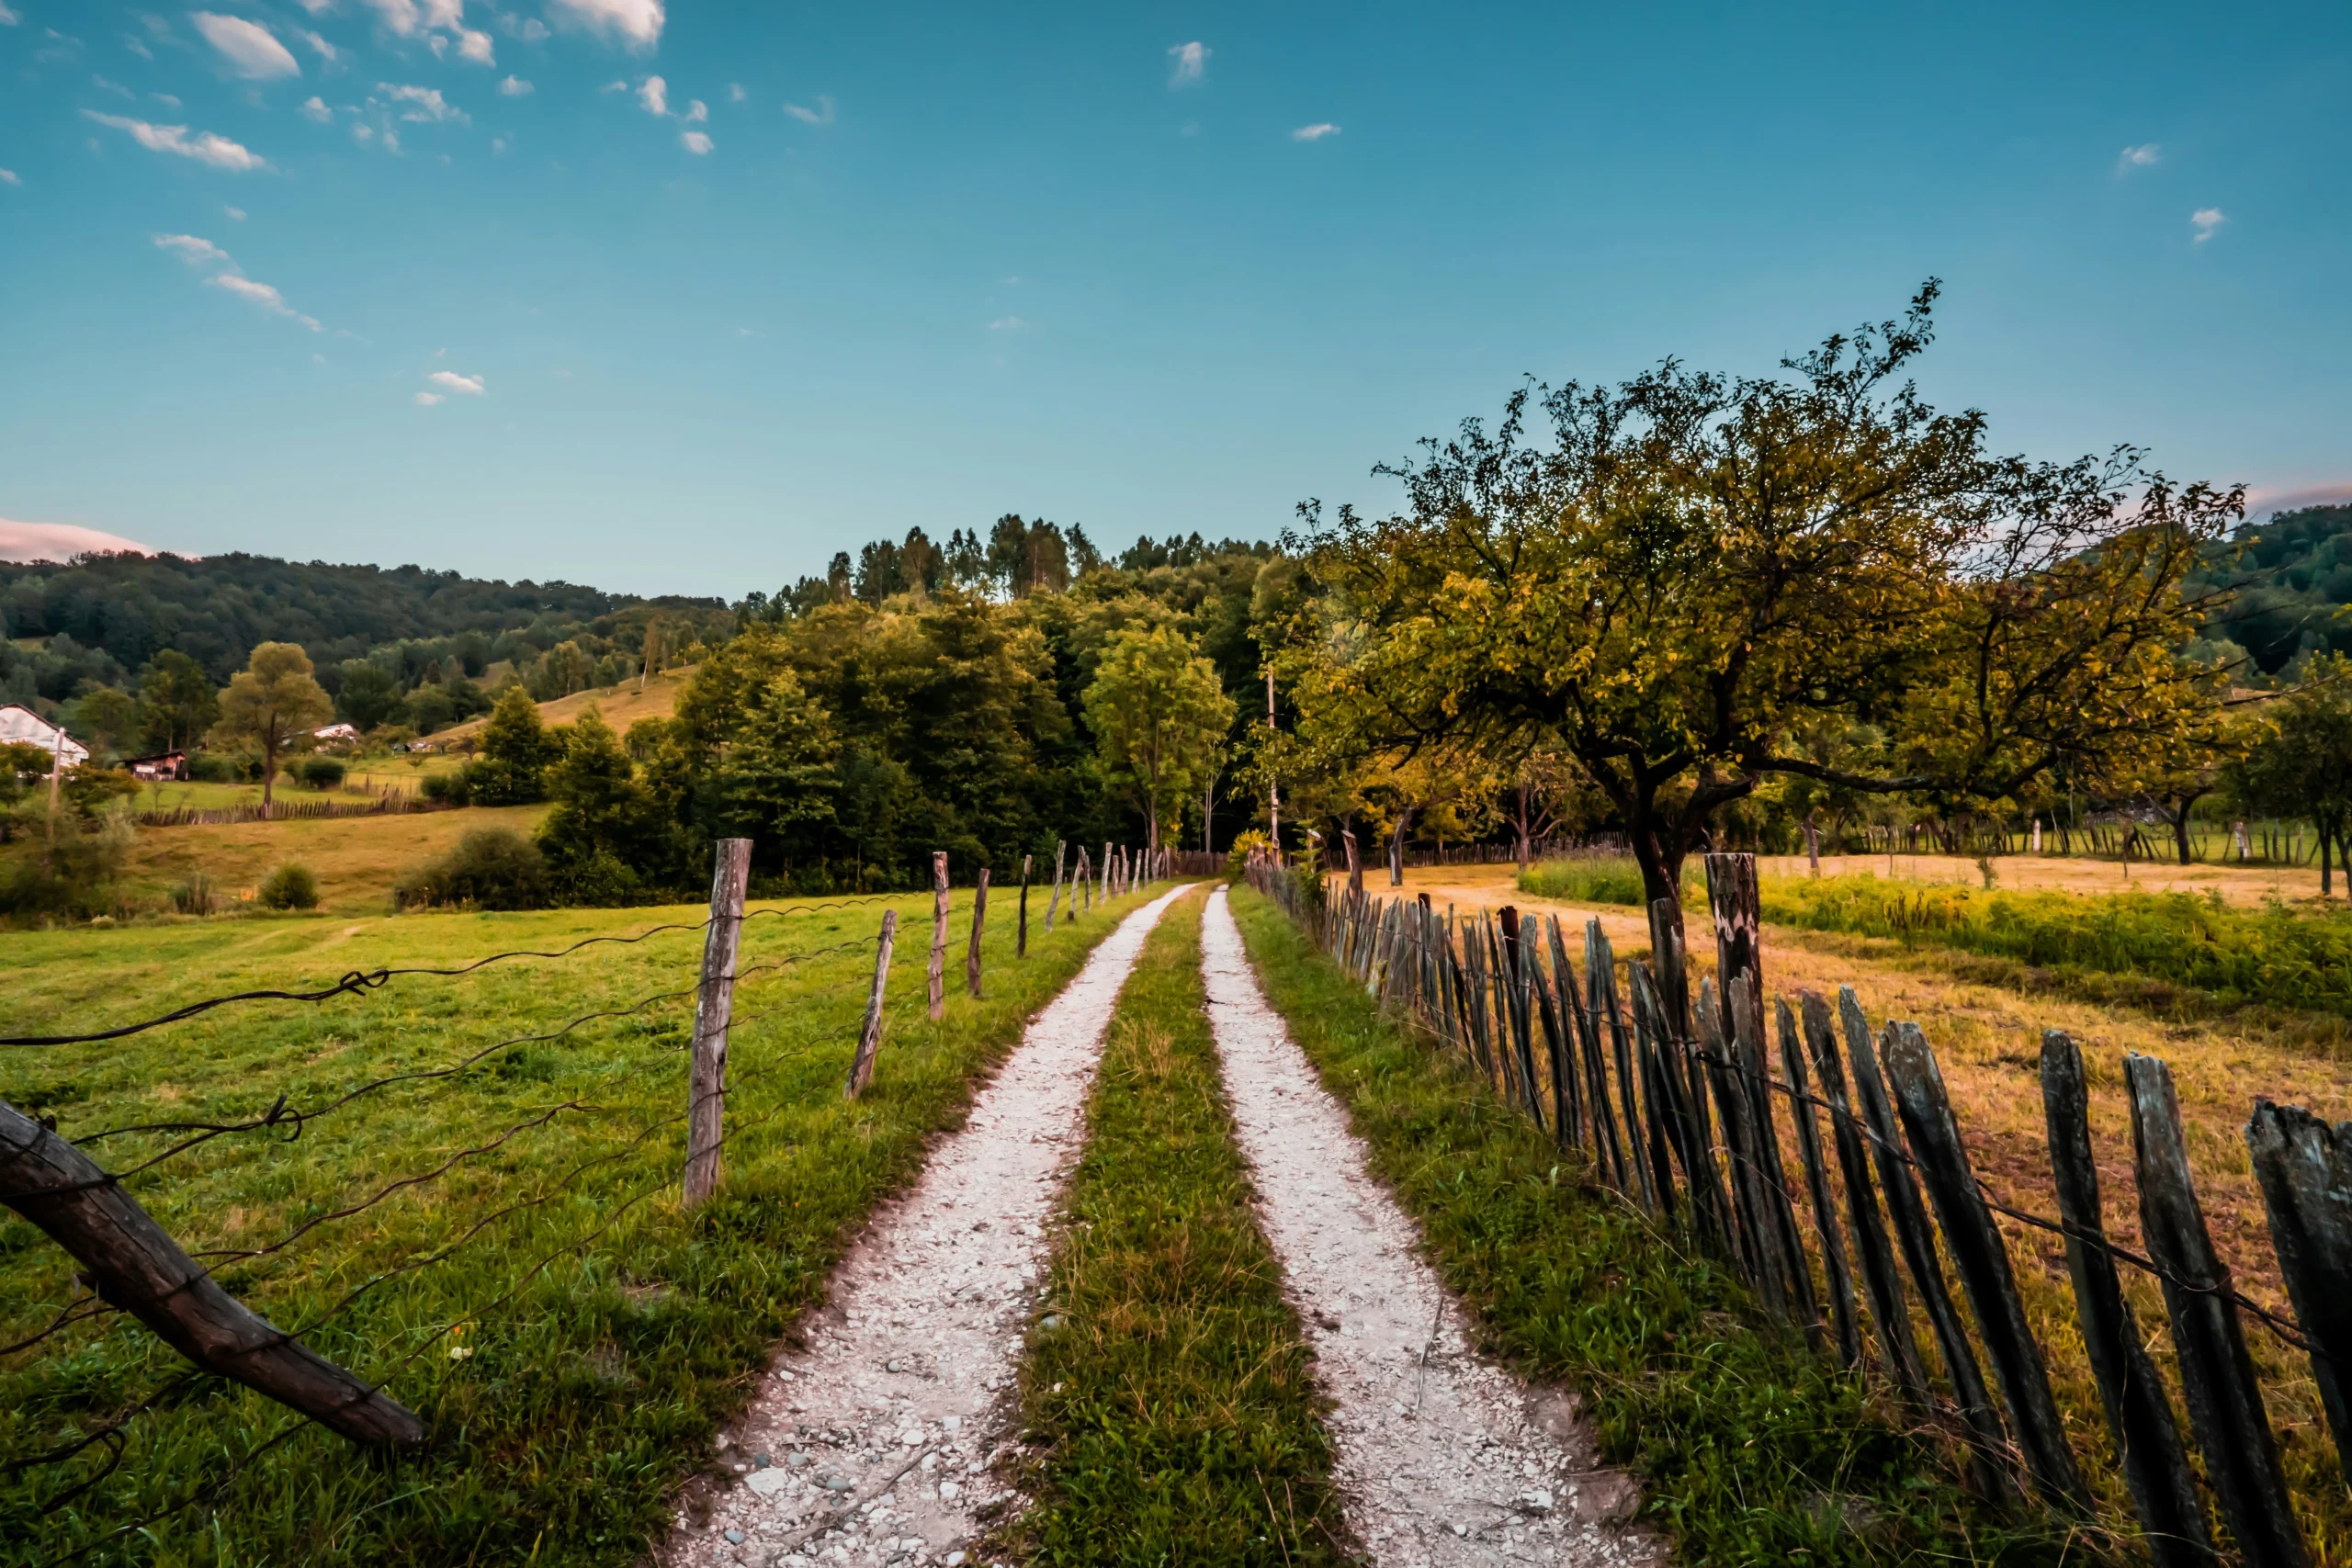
x=2180, y=833
x=2326, y=877
x=1397, y=848
x=268, y=773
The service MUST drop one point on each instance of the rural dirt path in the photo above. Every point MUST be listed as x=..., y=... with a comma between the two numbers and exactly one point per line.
x=1445, y=1458
x=872, y=1443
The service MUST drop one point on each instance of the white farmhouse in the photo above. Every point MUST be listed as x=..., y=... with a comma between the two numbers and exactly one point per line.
x=18, y=722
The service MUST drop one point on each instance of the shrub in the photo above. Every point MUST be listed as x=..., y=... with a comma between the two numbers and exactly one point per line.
x=214, y=767
x=290, y=887
x=196, y=896
x=490, y=868
x=1591, y=879
x=322, y=773
x=454, y=788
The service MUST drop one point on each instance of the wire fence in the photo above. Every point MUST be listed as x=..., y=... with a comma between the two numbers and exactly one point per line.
x=358, y=1225
x=1669, y=1090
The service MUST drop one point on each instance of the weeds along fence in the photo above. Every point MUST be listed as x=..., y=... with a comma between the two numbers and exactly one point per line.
x=84, y=1384
x=387, y=805
x=1681, y=1107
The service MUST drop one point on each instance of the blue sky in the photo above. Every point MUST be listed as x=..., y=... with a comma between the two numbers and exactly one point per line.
x=1150, y=268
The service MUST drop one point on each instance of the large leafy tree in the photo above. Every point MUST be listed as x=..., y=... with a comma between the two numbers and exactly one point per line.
x=1160, y=717
x=272, y=704
x=1701, y=582
x=2299, y=761
x=516, y=751
x=178, y=702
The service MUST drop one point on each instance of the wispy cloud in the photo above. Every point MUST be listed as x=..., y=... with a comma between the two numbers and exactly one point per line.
x=735, y=94
x=196, y=252
x=8, y=19
x=636, y=23
x=695, y=142
x=697, y=111
x=58, y=541
x=426, y=400
x=821, y=115
x=1316, y=133
x=205, y=147
x=514, y=87
x=8, y=178
x=2146, y=155
x=262, y=294
x=2206, y=219
x=316, y=108
x=117, y=88
x=426, y=106
x=1189, y=62
x=653, y=95
x=237, y=213
x=166, y=99
x=451, y=382
x=1007, y=325
x=319, y=46
x=251, y=49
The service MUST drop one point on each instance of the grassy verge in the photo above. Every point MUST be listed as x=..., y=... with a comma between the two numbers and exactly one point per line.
x=583, y=1336
x=1752, y=1449
x=2274, y=956
x=1595, y=879
x=1173, y=1398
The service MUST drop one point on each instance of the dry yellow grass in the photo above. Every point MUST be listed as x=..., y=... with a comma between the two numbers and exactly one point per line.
x=2055, y=873
x=1985, y=1025
x=356, y=859
x=621, y=705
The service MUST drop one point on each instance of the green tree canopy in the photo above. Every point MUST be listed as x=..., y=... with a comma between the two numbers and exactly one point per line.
x=2299, y=762
x=272, y=705
x=1702, y=582
x=516, y=751
x=178, y=702
x=1160, y=718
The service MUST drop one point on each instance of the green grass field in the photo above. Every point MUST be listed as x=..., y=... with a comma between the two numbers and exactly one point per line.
x=572, y=1337
x=1752, y=1449
x=1172, y=1396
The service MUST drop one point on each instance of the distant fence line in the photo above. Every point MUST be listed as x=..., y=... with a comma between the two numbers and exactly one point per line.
x=391, y=803
x=1672, y=1095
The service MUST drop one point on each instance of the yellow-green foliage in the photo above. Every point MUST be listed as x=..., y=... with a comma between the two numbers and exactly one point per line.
x=1589, y=879
x=2274, y=955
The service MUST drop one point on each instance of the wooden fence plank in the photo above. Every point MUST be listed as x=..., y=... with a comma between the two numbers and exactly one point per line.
x=2225, y=1407
x=2305, y=1167
x=1835, y=1267
x=2147, y=1440
x=870, y=1037
x=714, y=1009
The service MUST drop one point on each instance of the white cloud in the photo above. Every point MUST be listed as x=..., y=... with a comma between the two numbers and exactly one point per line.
x=58, y=541
x=697, y=111
x=196, y=252
x=735, y=94
x=316, y=108
x=1007, y=325
x=8, y=19
x=316, y=7
x=695, y=142
x=425, y=105
x=2145, y=155
x=653, y=94
x=614, y=88
x=426, y=400
x=498, y=144
x=530, y=29
x=262, y=294
x=821, y=115
x=636, y=23
x=1191, y=60
x=1315, y=132
x=319, y=46
x=451, y=382
x=475, y=46
x=399, y=17
x=205, y=148
x=8, y=178
x=117, y=88
x=236, y=212
x=138, y=48
x=166, y=99
x=2206, y=220
x=248, y=47
x=514, y=87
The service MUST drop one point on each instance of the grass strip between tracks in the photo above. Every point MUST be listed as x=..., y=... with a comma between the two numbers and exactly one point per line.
x=1168, y=1394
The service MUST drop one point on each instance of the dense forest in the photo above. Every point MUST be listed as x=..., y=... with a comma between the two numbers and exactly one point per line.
x=2292, y=588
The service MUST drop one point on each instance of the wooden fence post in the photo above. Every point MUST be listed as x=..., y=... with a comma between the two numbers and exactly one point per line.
x=2305, y=1167
x=1917, y=1239
x=1983, y=1261
x=2225, y=1408
x=1054, y=902
x=979, y=920
x=1021, y=938
x=938, y=935
x=869, y=1038
x=137, y=1266
x=1834, y=1267
x=2139, y=1417
x=713, y=1008
x=1106, y=869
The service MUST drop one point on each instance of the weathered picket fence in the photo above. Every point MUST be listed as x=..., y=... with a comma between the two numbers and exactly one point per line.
x=389, y=804
x=1673, y=1097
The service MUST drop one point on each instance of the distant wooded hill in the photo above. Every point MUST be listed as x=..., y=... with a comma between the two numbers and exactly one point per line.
x=2293, y=581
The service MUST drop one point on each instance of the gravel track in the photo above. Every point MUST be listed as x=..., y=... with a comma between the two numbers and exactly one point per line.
x=1444, y=1458
x=873, y=1442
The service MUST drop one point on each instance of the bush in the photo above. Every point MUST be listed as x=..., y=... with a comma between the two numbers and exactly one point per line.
x=490, y=868
x=322, y=773
x=1591, y=879
x=454, y=788
x=214, y=767
x=290, y=887
x=196, y=896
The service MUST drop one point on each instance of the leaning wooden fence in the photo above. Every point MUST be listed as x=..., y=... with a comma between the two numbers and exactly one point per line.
x=1674, y=1097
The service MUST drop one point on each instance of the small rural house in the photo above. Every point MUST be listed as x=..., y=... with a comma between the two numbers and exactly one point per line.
x=167, y=765
x=18, y=722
